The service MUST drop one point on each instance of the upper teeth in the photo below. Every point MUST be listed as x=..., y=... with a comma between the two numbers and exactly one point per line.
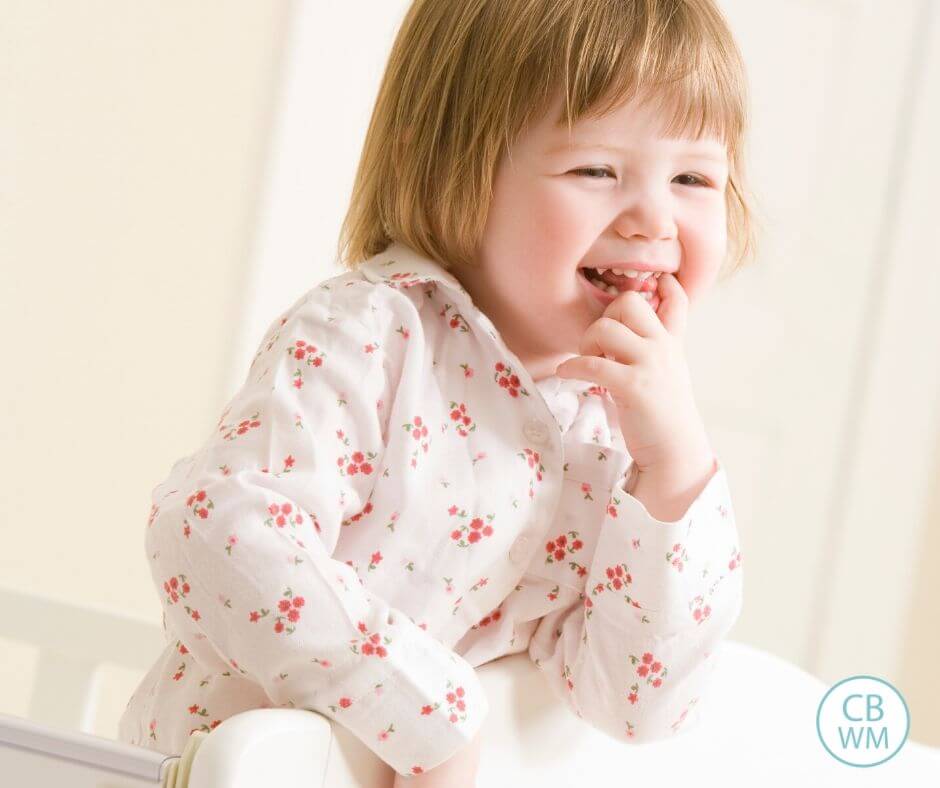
x=629, y=272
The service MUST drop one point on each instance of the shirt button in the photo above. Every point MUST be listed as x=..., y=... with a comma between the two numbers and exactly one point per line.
x=536, y=431
x=518, y=553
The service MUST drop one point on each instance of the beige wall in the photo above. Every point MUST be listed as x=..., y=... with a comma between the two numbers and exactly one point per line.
x=131, y=143
x=918, y=681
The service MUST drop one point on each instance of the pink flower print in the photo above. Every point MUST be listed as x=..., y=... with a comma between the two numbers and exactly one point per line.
x=735, y=561
x=342, y=703
x=355, y=463
x=202, y=712
x=506, y=379
x=376, y=557
x=417, y=770
x=562, y=546
x=404, y=279
x=566, y=675
x=200, y=504
x=371, y=347
x=419, y=431
x=495, y=615
x=464, y=424
x=456, y=703
x=180, y=671
x=153, y=729
x=233, y=431
x=230, y=543
x=283, y=514
x=534, y=460
x=677, y=556
x=405, y=333
x=700, y=611
x=475, y=532
x=553, y=594
x=383, y=735
x=586, y=489
x=633, y=696
x=176, y=588
x=289, y=609
x=306, y=352
x=467, y=370
x=645, y=669
x=612, y=504
x=456, y=320
x=372, y=643
x=154, y=510
x=618, y=577
x=359, y=515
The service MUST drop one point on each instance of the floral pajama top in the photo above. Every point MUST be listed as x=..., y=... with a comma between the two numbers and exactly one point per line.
x=390, y=501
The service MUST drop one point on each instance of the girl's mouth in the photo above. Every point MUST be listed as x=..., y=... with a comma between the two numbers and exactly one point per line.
x=605, y=294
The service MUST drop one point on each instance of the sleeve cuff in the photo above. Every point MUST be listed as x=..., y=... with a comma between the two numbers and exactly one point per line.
x=414, y=710
x=665, y=569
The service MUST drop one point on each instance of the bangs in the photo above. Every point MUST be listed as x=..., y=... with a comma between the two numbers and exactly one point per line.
x=672, y=55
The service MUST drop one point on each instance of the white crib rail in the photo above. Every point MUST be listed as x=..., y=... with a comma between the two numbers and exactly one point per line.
x=73, y=642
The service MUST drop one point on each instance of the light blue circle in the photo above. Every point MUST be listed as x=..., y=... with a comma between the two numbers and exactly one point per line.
x=907, y=713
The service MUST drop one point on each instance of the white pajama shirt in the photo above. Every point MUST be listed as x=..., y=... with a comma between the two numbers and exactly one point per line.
x=390, y=501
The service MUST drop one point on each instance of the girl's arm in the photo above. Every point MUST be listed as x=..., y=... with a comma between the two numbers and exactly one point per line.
x=459, y=771
x=241, y=541
x=659, y=597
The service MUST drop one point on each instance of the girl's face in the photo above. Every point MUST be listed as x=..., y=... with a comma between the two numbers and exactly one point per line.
x=643, y=198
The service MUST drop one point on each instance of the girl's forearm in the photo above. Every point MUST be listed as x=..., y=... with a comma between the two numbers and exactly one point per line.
x=460, y=771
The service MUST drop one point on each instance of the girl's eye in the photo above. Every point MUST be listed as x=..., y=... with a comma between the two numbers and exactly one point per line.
x=594, y=169
x=696, y=180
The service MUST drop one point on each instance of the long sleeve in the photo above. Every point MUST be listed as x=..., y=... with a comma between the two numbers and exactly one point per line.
x=633, y=653
x=242, y=534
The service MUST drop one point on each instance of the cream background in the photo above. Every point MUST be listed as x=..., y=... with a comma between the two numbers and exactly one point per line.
x=155, y=216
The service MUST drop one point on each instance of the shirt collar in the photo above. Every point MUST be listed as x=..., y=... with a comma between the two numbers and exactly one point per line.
x=401, y=266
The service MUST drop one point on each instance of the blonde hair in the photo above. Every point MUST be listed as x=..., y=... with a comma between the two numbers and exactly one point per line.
x=465, y=77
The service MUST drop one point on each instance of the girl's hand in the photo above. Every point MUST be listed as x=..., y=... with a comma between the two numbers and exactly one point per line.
x=638, y=355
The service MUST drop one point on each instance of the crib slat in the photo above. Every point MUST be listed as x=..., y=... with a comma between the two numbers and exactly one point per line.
x=65, y=692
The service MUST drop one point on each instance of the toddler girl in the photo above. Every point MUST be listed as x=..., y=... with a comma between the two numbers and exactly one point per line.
x=481, y=439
